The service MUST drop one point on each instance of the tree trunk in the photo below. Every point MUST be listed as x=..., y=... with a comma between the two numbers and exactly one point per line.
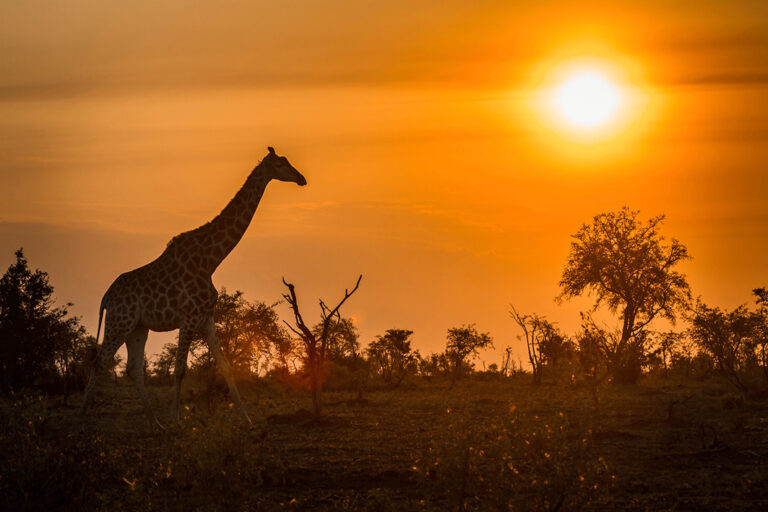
x=315, y=380
x=537, y=374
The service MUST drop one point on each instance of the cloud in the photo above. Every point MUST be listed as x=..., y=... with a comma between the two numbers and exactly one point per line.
x=724, y=78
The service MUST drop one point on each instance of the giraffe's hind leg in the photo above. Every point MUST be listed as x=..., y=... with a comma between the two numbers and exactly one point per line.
x=113, y=338
x=180, y=368
x=135, y=366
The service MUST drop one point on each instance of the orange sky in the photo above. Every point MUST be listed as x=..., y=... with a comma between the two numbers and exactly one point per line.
x=122, y=125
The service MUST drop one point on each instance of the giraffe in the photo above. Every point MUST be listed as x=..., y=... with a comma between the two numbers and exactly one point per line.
x=175, y=290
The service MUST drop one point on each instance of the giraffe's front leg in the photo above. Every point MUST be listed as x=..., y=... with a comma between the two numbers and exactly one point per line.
x=185, y=340
x=215, y=348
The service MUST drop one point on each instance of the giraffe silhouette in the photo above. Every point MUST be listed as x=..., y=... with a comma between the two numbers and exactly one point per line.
x=175, y=291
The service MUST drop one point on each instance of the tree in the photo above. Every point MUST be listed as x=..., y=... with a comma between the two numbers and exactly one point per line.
x=463, y=343
x=315, y=345
x=286, y=351
x=629, y=268
x=726, y=336
x=343, y=344
x=247, y=332
x=667, y=344
x=761, y=334
x=74, y=356
x=544, y=341
x=604, y=347
x=40, y=344
x=392, y=356
x=589, y=343
x=555, y=348
x=164, y=361
x=434, y=365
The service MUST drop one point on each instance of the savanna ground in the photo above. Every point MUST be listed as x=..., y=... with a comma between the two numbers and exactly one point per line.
x=485, y=443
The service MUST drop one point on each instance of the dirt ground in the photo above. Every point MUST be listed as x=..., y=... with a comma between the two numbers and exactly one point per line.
x=665, y=445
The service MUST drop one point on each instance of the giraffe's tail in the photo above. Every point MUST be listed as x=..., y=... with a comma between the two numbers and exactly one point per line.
x=102, y=307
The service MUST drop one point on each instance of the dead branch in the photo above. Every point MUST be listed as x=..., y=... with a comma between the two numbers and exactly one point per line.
x=290, y=297
x=335, y=311
x=315, y=346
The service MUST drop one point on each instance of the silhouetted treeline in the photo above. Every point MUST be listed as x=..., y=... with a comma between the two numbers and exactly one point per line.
x=630, y=270
x=625, y=264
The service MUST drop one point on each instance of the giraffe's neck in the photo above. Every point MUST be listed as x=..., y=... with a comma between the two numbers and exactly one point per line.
x=223, y=233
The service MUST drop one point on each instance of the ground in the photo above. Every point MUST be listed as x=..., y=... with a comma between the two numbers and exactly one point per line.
x=478, y=444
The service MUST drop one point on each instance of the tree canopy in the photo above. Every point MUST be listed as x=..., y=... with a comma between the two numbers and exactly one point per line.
x=246, y=330
x=629, y=267
x=39, y=342
x=343, y=343
x=463, y=343
x=728, y=336
x=392, y=355
x=544, y=341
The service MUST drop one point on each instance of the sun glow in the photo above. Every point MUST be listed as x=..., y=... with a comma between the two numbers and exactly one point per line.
x=587, y=99
x=596, y=105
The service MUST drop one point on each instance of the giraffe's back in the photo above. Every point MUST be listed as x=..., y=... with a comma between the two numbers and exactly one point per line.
x=160, y=296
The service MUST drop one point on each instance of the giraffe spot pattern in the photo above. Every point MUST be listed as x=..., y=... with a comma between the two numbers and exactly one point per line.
x=175, y=291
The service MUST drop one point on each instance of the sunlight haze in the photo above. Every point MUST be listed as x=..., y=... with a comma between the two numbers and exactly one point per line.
x=439, y=165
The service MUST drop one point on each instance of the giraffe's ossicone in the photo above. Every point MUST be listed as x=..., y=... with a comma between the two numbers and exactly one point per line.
x=175, y=291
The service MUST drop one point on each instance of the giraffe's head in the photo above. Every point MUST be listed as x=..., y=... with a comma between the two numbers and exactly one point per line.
x=278, y=168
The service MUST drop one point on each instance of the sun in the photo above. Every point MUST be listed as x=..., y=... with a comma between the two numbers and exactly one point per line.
x=587, y=99
x=588, y=105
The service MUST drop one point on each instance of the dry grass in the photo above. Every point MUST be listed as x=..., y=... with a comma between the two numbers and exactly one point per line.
x=479, y=445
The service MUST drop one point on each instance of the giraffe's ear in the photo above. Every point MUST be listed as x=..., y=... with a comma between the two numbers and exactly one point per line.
x=271, y=150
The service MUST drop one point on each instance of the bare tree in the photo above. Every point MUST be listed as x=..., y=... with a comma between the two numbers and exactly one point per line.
x=315, y=343
x=542, y=339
